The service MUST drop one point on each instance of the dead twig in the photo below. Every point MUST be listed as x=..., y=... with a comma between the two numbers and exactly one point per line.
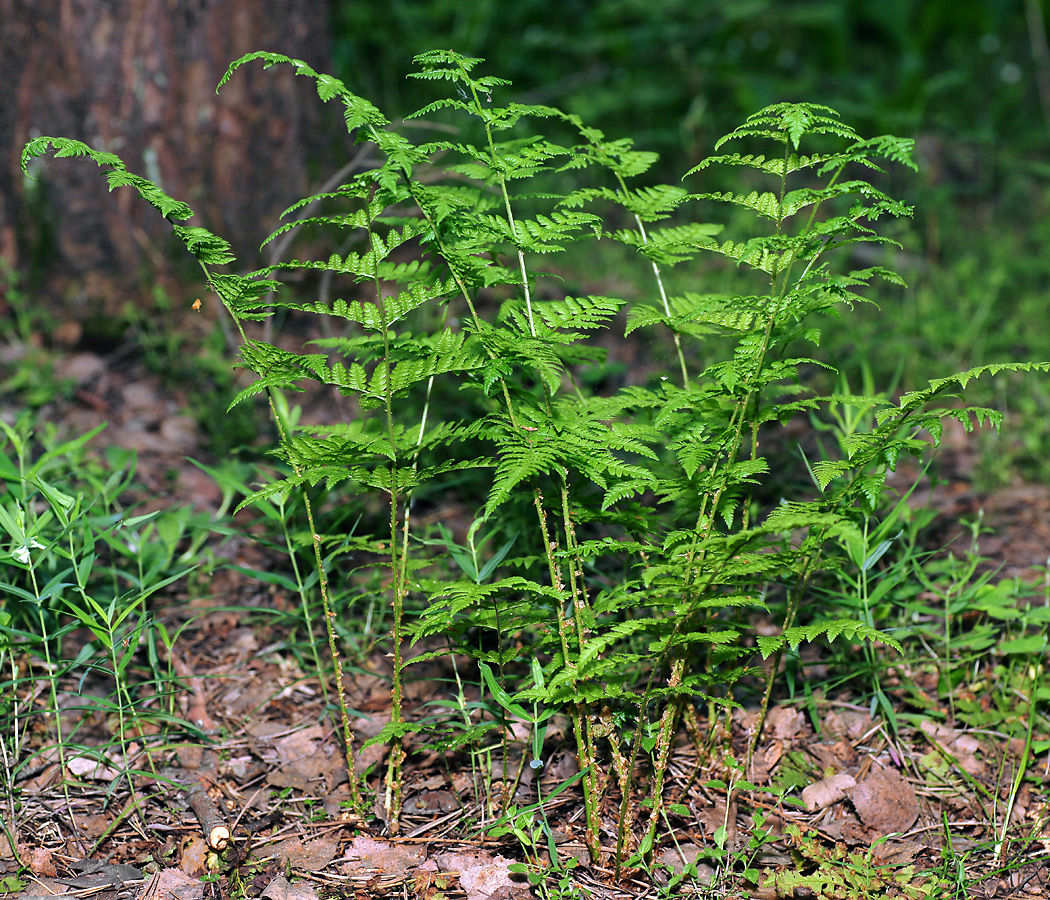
x=213, y=823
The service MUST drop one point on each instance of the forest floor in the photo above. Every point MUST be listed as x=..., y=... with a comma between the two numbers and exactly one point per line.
x=271, y=761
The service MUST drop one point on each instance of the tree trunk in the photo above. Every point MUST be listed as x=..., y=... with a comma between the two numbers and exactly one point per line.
x=138, y=77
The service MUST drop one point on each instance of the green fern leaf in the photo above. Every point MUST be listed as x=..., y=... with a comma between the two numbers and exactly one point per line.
x=587, y=312
x=788, y=123
x=778, y=165
x=517, y=463
x=847, y=628
x=916, y=399
x=207, y=247
x=765, y=204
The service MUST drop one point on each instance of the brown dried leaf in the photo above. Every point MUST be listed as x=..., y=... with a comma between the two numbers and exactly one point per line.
x=765, y=761
x=41, y=863
x=847, y=723
x=174, y=884
x=828, y=790
x=300, y=744
x=485, y=877
x=836, y=757
x=282, y=889
x=431, y=803
x=95, y=769
x=92, y=827
x=711, y=818
x=365, y=853
x=307, y=856
x=194, y=856
x=886, y=803
x=676, y=858
x=784, y=723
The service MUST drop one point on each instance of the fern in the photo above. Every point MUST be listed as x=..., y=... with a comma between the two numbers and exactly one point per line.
x=650, y=545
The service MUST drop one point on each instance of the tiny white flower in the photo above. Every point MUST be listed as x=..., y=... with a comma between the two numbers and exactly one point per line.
x=22, y=553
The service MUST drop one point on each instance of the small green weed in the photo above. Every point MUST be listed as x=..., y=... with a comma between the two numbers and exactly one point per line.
x=75, y=559
x=820, y=872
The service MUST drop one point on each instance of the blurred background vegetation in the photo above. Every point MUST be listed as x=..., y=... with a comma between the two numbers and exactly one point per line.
x=676, y=74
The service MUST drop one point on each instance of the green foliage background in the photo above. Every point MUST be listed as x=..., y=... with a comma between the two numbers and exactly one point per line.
x=673, y=73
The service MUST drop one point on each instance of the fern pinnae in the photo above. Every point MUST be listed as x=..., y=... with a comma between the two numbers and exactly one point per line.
x=624, y=196
x=765, y=205
x=362, y=114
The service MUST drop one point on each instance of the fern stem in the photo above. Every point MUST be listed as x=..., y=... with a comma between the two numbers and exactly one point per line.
x=623, y=767
x=577, y=588
x=329, y=620
x=303, y=599
x=579, y=598
x=393, y=793
x=585, y=749
x=663, y=296
x=322, y=580
x=526, y=292
x=665, y=736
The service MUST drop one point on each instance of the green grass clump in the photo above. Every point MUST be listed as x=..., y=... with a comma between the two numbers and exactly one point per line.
x=79, y=572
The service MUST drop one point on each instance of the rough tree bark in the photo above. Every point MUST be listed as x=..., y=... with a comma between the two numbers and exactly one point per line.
x=138, y=77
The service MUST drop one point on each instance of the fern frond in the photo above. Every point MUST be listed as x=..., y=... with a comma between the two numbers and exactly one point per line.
x=448, y=600
x=765, y=204
x=349, y=447
x=777, y=165
x=388, y=311
x=913, y=400
x=519, y=463
x=849, y=629
x=548, y=234
x=354, y=191
x=362, y=266
x=209, y=248
x=447, y=358
x=587, y=312
x=701, y=314
x=277, y=368
x=273, y=488
x=359, y=112
x=524, y=159
x=650, y=204
x=205, y=246
x=896, y=149
x=445, y=64
x=506, y=348
x=670, y=246
x=771, y=254
x=433, y=107
x=375, y=201
x=243, y=295
x=788, y=123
